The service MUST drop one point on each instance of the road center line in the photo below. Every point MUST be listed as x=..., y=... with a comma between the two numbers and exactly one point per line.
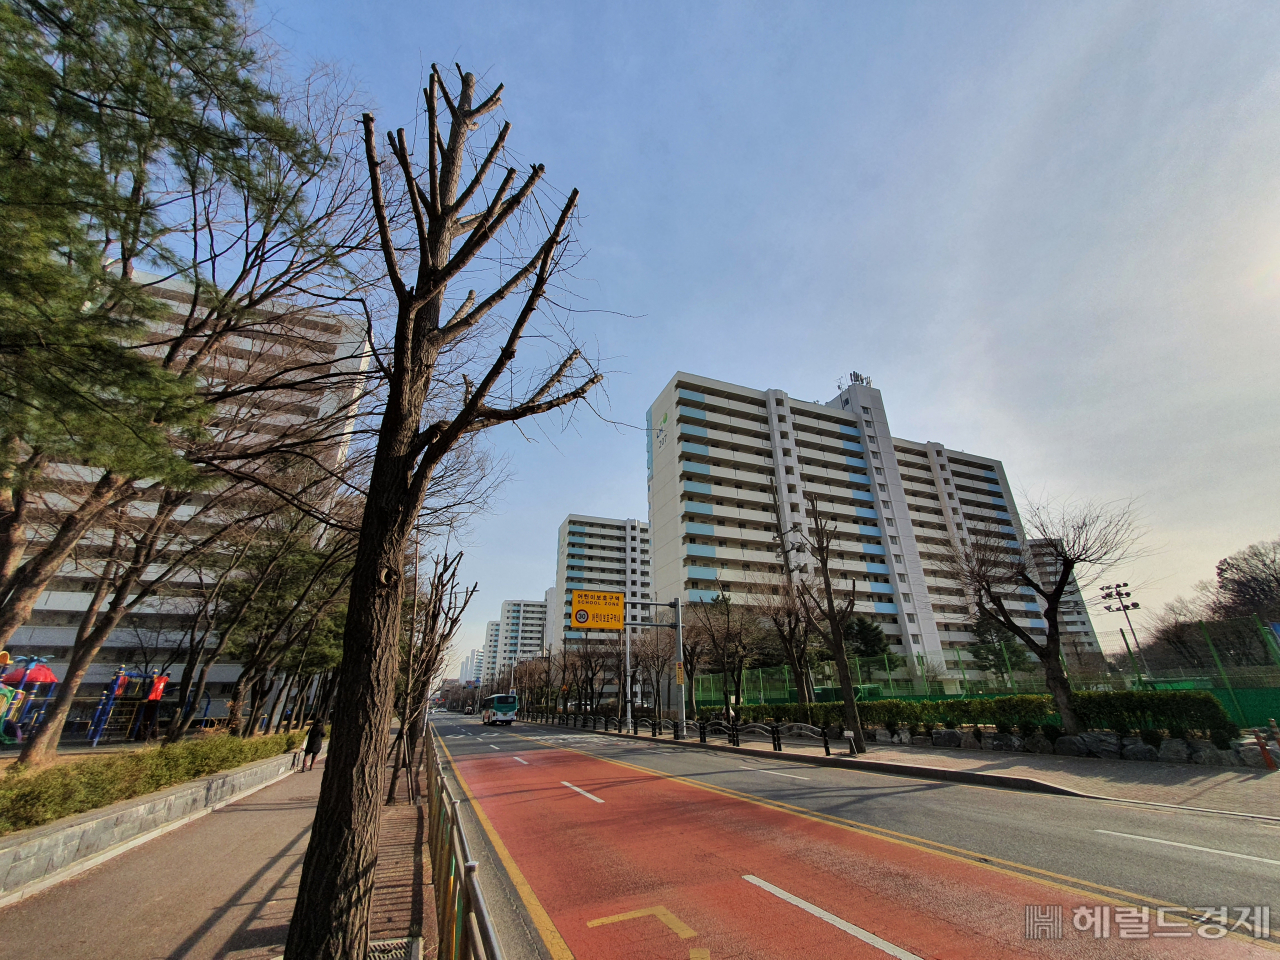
x=774, y=772
x=581, y=791
x=525, y=762
x=1188, y=846
x=863, y=935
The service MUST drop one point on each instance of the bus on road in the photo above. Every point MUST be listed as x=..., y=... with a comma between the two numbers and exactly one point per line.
x=499, y=709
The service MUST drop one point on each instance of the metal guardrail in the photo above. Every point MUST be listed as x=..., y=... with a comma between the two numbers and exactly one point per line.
x=462, y=919
x=777, y=733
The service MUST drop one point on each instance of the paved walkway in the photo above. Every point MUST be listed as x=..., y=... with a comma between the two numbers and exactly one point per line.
x=1238, y=789
x=221, y=887
x=1234, y=789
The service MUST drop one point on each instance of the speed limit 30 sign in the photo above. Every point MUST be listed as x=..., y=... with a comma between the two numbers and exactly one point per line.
x=593, y=610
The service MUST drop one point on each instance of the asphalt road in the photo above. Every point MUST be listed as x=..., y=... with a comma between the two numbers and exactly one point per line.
x=746, y=857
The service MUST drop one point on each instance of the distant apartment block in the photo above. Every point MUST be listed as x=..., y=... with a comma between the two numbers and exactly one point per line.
x=472, y=667
x=517, y=635
x=730, y=468
x=598, y=553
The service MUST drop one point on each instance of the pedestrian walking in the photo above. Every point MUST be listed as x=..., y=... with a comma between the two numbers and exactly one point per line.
x=315, y=737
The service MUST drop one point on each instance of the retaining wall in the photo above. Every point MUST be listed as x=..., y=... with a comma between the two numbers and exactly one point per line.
x=33, y=860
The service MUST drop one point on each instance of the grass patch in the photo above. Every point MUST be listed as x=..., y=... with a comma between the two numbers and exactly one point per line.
x=34, y=798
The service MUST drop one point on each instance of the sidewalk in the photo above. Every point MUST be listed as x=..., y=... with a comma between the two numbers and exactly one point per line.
x=1232, y=789
x=1235, y=789
x=222, y=886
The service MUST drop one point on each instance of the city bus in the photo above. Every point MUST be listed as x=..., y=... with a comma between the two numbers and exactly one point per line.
x=499, y=709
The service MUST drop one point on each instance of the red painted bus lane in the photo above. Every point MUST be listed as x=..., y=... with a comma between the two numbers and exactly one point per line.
x=615, y=854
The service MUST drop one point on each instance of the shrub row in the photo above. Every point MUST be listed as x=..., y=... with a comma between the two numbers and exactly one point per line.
x=1123, y=711
x=32, y=798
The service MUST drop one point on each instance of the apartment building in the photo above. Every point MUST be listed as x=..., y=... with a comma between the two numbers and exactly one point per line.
x=517, y=635
x=325, y=357
x=599, y=553
x=731, y=469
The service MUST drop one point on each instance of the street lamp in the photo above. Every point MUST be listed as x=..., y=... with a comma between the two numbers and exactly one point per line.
x=1118, y=593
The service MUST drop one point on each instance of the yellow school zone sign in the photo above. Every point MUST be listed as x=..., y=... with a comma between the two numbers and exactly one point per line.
x=593, y=610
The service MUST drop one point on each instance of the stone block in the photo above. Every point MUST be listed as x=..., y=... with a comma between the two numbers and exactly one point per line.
x=1066, y=746
x=883, y=736
x=1205, y=753
x=1251, y=756
x=1175, y=751
x=1037, y=743
x=969, y=742
x=946, y=738
x=1140, y=751
x=1101, y=744
x=921, y=741
x=1004, y=741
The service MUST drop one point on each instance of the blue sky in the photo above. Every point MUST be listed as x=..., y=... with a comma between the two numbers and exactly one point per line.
x=1047, y=231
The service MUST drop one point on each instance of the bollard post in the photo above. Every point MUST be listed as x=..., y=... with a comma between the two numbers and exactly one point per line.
x=777, y=737
x=1269, y=760
x=826, y=744
x=1275, y=731
x=702, y=732
x=653, y=727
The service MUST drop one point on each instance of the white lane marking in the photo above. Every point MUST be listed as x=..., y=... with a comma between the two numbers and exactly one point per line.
x=863, y=935
x=774, y=772
x=581, y=791
x=493, y=747
x=525, y=762
x=1188, y=846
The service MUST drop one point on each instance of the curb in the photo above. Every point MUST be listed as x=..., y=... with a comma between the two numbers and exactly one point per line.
x=919, y=771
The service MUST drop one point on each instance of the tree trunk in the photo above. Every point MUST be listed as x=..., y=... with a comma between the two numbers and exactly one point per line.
x=34, y=575
x=852, y=721
x=1055, y=678
x=331, y=914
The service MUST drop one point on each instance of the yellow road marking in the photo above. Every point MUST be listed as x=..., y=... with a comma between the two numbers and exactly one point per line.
x=677, y=926
x=556, y=946
x=699, y=953
x=1009, y=868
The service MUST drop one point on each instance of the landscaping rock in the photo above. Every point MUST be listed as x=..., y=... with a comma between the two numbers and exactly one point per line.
x=1175, y=751
x=902, y=736
x=922, y=741
x=969, y=742
x=883, y=736
x=1140, y=751
x=1205, y=753
x=951, y=739
x=1101, y=744
x=1066, y=746
x=1005, y=741
x=1251, y=756
x=1037, y=743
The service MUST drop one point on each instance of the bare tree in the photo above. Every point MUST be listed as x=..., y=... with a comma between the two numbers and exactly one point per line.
x=655, y=653
x=1081, y=539
x=829, y=604
x=440, y=391
x=435, y=614
x=783, y=607
x=724, y=628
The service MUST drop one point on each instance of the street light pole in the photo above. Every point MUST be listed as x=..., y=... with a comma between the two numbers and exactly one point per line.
x=1117, y=592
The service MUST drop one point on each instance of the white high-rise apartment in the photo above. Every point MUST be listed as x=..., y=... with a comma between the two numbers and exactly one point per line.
x=513, y=638
x=598, y=553
x=717, y=454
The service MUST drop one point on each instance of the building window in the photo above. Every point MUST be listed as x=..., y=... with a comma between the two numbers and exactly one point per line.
x=867, y=411
x=894, y=541
x=902, y=578
x=879, y=472
x=897, y=558
x=911, y=618
x=883, y=488
x=906, y=598
x=874, y=455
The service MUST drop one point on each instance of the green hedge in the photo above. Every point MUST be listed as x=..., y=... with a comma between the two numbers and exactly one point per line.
x=1175, y=711
x=32, y=798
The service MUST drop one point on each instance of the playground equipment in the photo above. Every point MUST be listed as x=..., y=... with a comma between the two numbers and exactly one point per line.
x=29, y=675
x=140, y=690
